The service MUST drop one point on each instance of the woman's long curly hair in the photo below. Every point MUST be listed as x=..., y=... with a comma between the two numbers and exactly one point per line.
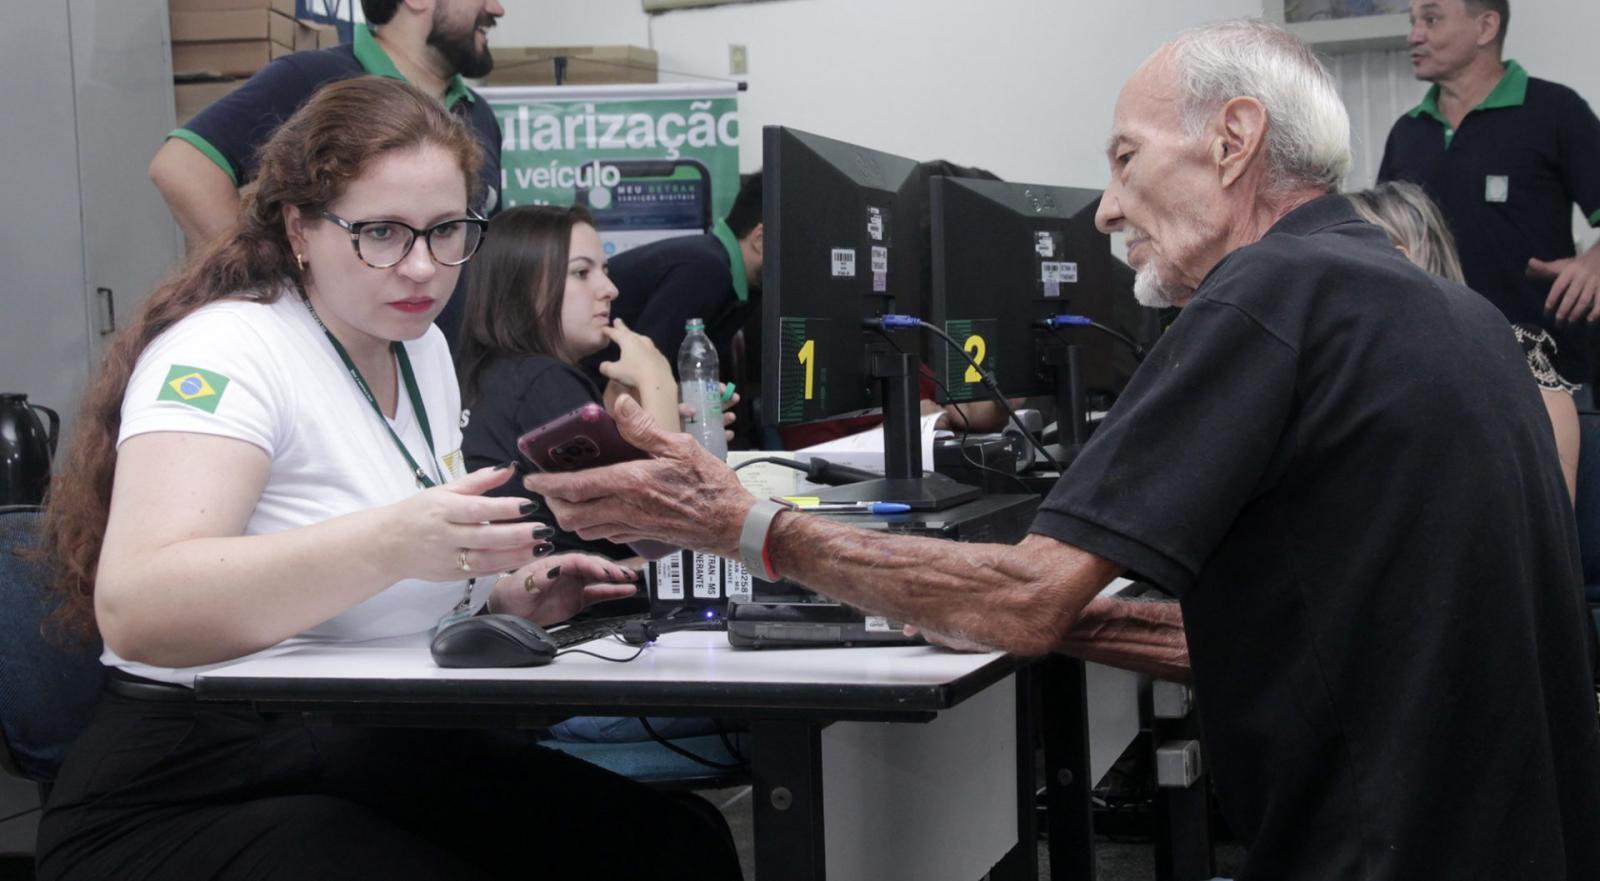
x=308, y=162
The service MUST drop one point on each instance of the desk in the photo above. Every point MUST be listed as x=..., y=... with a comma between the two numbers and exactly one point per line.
x=944, y=790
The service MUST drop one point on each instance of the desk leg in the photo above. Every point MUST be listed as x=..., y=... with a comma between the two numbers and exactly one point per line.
x=1022, y=862
x=786, y=770
x=1184, y=849
x=1065, y=711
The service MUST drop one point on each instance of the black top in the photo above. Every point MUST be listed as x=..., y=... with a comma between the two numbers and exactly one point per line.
x=1506, y=181
x=665, y=283
x=1341, y=466
x=230, y=130
x=515, y=395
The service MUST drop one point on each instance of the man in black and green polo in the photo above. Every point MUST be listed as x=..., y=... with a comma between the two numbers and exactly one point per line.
x=431, y=44
x=1505, y=156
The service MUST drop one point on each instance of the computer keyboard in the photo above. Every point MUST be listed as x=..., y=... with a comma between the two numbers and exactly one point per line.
x=577, y=632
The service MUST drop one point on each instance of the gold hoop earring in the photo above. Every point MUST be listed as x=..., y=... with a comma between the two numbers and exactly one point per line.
x=300, y=263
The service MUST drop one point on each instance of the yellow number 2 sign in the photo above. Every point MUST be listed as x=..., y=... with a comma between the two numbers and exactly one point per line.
x=977, y=348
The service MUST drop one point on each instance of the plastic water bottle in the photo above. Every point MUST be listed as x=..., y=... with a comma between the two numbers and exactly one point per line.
x=701, y=388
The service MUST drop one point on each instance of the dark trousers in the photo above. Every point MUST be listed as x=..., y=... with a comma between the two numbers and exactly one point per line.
x=181, y=791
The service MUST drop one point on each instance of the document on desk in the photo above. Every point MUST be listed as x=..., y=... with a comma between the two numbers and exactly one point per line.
x=764, y=480
x=871, y=441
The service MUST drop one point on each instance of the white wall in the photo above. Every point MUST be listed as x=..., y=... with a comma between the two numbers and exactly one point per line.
x=1021, y=87
x=572, y=23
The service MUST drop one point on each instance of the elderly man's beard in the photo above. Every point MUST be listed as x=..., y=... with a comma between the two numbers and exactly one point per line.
x=1152, y=292
x=460, y=48
x=1149, y=288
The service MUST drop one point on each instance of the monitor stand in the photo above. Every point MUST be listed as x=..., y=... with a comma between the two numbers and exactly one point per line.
x=903, y=479
x=1072, y=418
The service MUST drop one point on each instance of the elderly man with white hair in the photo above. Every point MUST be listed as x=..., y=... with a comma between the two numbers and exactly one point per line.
x=1337, y=463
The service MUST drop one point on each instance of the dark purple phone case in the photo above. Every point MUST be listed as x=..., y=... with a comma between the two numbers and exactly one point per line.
x=586, y=438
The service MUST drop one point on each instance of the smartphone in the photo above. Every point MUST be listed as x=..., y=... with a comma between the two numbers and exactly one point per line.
x=586, y=438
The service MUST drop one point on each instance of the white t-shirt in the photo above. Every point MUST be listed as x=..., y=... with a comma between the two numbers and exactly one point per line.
x=266, y=374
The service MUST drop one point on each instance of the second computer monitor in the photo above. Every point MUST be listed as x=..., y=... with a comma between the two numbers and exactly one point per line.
x=1006, y=255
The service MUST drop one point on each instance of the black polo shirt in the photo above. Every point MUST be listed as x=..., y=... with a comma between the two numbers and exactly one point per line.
x=663, y=284
x=1342, y=467
x=515, y=394
x=230, y=130
x=1506, y=181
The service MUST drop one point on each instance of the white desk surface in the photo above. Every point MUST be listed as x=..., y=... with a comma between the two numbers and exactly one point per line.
x=690, y=665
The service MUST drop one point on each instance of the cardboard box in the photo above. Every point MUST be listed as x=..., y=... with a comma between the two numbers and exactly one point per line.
x=282, y=7
x=327, y=35
x=191, y=98
x=305, y=36
x=238, y=24
x=231, y=58
x=586, y=65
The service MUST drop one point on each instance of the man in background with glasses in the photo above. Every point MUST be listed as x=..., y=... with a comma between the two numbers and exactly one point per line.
x=432, y=44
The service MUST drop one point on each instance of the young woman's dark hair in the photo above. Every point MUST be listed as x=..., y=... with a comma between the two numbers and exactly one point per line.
x=525, y=251
x=746, y=210
x=342, y=130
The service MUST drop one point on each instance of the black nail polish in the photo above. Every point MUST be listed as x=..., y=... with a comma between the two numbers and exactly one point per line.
x=529, y=507
x=504, y=465
x=543, y=530
x=522, y=466
x=554, y=573
x=543, y=549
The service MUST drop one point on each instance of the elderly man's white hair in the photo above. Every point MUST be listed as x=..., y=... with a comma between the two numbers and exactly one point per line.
x=1308, y=129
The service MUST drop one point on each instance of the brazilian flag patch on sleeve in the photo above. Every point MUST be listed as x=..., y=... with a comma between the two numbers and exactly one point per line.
x=200, y=389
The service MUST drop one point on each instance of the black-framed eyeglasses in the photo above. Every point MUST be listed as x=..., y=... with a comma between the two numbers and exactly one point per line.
x=384, y=243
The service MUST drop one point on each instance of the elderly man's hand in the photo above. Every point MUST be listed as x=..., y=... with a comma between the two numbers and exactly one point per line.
x=1575, y=295
x=683, y=495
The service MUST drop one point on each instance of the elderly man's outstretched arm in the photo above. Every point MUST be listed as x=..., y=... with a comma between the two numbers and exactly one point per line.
x=1031, y=599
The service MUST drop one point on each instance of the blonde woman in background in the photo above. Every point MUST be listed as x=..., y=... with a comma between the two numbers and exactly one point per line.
x=1417, y=228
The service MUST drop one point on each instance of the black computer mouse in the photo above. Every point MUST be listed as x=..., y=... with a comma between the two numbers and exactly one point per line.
x=493, y=641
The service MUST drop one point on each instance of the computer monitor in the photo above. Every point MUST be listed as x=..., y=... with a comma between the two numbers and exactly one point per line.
x=842, y=247
x=1007, y=256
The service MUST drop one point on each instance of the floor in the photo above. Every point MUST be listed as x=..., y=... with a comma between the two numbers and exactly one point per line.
x=1114, y=860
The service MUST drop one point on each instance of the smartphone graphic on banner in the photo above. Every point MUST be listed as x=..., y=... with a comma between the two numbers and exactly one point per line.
x=644, y=200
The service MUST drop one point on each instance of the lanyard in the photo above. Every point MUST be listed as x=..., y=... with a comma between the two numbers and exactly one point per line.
x=410, y=380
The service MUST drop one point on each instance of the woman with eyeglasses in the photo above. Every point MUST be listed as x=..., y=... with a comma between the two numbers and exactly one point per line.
x=271, y=457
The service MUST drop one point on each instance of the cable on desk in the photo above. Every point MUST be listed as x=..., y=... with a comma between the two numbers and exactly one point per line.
x=618, y=638
x=770, y=460
x=966, y=424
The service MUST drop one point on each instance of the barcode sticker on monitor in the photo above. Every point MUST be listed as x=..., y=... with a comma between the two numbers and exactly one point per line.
x=669, y=577
x=741, y=586
x=1060, y=273
x=1044, y=244
x=707, y=576
x=844, y=263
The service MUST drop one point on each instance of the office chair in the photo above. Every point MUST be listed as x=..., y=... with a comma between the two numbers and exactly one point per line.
x=47, y=690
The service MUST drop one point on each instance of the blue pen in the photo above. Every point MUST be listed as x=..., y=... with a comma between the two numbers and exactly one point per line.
x=853, y=507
